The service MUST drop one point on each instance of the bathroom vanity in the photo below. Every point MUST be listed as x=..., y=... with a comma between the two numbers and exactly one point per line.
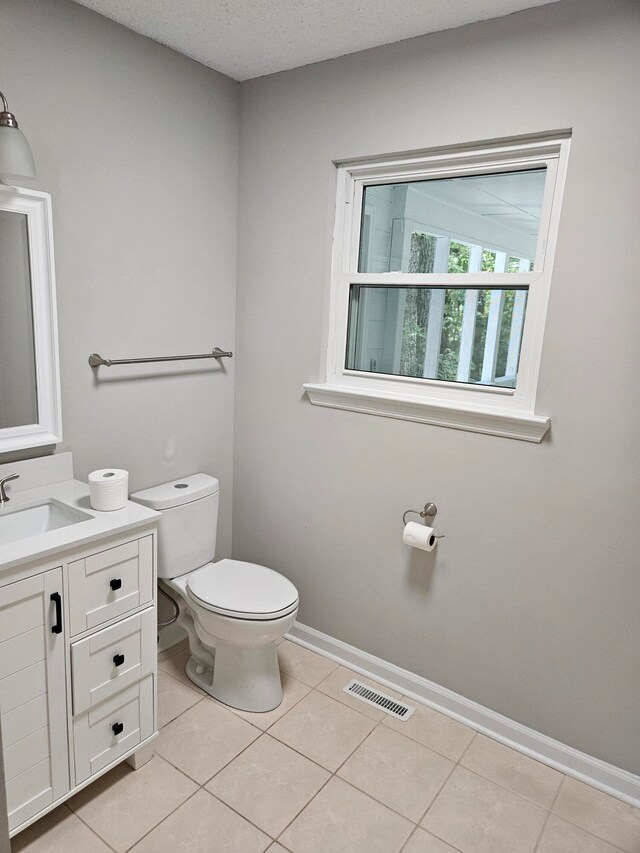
x=77, y=637
x=77, y=587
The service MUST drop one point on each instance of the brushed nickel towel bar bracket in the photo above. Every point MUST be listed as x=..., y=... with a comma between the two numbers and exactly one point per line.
x=96, y=360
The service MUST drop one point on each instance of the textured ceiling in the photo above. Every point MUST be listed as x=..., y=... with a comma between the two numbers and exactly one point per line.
x=251, y=38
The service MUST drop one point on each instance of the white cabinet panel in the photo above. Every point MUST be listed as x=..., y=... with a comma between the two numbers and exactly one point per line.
x=112, y=659
x=112, y=728
x=25, y=719
x=29, y=793
x=32, y=695
x=21, y=617
x=26, y=753
x=23, y=686
x=21, y=651
x=110, y=583
x=72, y=706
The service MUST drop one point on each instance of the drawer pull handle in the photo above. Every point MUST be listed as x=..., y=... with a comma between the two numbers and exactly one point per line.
x=115, y=584
x=117, y=728
x=118, y=660
x=56, y=598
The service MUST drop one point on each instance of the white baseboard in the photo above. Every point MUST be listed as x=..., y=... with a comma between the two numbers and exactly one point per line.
x=612, y=780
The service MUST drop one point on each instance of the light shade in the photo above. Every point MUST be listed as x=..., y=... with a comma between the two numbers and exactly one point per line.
x=16, y=159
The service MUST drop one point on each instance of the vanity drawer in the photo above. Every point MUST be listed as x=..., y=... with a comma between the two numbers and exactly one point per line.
x=110, y=583
x=112, y=659
x=112, y=728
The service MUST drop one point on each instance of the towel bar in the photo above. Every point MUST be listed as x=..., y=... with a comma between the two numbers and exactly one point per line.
x=96, y=360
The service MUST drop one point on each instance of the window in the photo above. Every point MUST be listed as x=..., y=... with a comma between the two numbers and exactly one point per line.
x=440, y=281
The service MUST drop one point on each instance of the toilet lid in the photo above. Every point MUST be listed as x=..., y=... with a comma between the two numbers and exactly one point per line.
x=242, y=590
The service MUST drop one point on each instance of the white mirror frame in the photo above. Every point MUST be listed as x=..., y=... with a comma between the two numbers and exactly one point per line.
x=48, y=429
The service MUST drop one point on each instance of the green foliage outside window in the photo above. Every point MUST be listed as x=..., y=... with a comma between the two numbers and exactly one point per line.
x=416, y=314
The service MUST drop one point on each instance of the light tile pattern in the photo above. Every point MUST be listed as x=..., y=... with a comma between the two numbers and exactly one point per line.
x=201, y=825
x=562, y=837
x=432, y=729
x=174, y=697
x=341, y=819
x=304, y=665
x=58, y=832
x=323, y=730
x=203, y=739
x=424, y=842
x=392, y=786
x=125, y=804
x=599, y=814
x=398, y=772
x=172, y=650
x=513, y=770
x=478, y=816
x=269, y=783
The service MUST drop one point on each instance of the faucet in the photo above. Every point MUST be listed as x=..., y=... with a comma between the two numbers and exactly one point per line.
x=3, y=495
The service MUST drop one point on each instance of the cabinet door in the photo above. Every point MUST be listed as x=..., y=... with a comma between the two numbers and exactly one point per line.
x=33, y=706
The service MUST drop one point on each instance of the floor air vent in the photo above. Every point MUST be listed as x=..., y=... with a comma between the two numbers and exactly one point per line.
x=378, y=700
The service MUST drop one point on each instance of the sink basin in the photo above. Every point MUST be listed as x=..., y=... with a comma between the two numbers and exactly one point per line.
x=29, y=521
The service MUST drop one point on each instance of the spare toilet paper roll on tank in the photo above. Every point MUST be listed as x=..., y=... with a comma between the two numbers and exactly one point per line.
x=108, y=489
x=419, y=536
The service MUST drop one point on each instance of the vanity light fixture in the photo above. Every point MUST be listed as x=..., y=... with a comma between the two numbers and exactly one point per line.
x=16, y=159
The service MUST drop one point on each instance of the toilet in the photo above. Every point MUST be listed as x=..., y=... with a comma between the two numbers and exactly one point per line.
x=233, y=612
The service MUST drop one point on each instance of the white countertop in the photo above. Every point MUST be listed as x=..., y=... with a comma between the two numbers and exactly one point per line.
x=75, y=494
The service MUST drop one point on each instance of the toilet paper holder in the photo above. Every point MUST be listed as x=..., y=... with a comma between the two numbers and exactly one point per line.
x=429, y=512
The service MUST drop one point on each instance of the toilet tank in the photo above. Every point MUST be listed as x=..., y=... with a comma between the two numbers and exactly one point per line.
x=188, y=523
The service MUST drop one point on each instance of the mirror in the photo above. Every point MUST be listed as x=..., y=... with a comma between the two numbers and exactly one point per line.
x=18, y=391
x=29, y=375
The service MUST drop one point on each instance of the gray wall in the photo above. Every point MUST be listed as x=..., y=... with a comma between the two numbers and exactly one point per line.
x=531, y=604
x=138, y=147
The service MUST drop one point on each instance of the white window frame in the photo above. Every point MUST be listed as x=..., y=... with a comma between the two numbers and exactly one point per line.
x=508, y=412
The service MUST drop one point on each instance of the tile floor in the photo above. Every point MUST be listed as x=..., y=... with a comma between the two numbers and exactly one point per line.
x=326, y=773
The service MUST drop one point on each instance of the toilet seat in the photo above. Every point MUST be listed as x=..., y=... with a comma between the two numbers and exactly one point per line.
x=242, y=590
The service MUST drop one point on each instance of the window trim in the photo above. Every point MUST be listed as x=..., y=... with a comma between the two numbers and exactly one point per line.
x=496, y=410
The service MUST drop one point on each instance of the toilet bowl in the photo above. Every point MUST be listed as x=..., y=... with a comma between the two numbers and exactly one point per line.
x=233, y=612
x=239, y=610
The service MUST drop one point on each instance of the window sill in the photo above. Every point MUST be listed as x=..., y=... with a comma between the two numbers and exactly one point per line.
x=526, y=427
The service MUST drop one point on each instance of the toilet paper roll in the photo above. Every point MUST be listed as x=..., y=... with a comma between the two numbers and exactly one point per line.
x=108, y=489
x=419, y=536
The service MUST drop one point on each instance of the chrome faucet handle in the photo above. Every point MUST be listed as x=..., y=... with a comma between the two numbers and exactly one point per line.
x=3, y=495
